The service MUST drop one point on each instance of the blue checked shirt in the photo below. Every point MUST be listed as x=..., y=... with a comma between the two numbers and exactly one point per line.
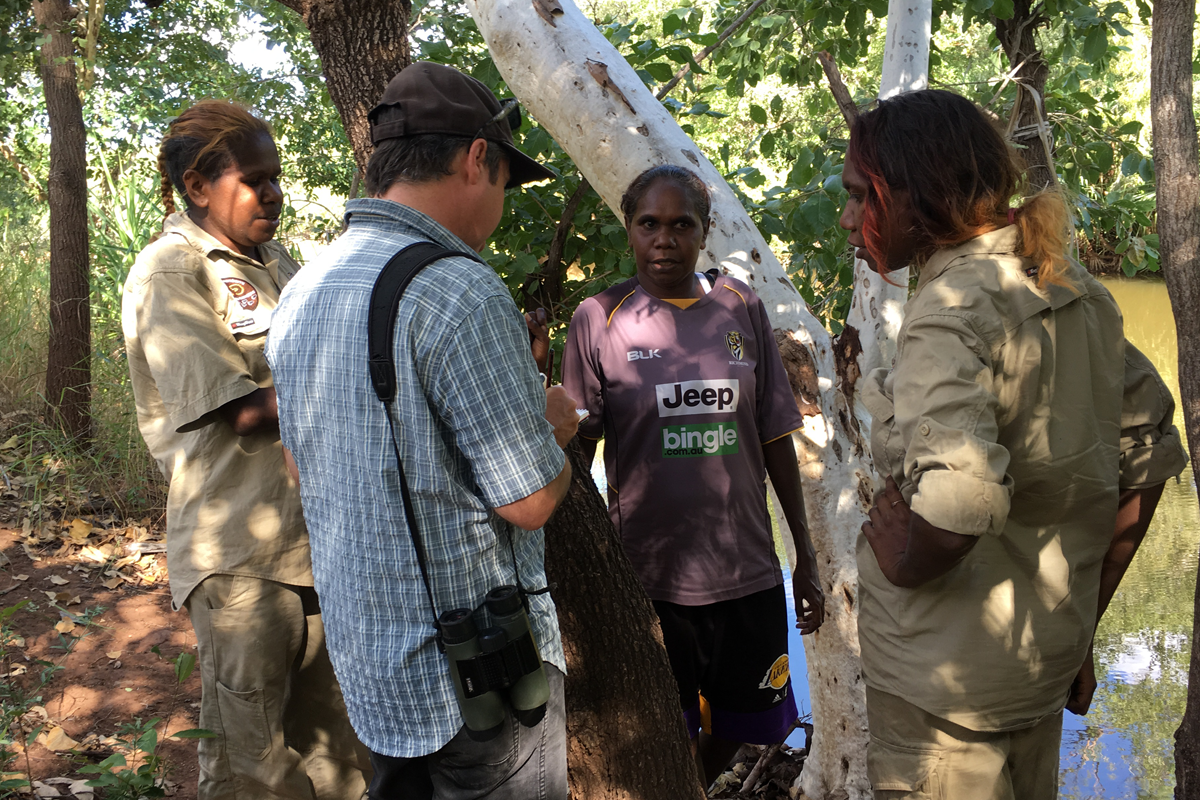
x=472, y=435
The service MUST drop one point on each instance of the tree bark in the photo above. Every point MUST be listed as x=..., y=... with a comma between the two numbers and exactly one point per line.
x=68, y=365
x=1028, y=128
x=362, y=45
x=594, y=105
x=1178, y=204
x=626, y=738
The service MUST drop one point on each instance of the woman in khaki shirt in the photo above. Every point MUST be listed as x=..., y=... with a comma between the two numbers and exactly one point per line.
x=196, y=311
x=1023, y=444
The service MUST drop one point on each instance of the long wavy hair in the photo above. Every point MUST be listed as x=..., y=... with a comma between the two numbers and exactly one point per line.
x=960, y=177
x=204, y=138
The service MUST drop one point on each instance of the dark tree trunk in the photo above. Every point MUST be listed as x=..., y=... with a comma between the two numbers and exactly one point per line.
x=362, y=45
x=626, y=738
x=68, y=365
x=1020, y=45
x=1178, y=193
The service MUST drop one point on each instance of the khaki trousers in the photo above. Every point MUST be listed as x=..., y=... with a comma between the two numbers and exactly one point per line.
x=914, y=755
x=270, y=696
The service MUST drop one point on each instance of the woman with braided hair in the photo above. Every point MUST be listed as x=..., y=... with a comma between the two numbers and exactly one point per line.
x=196, y=312
x=1023, y=445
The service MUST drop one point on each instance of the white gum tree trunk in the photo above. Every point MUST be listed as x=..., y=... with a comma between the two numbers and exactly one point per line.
x=591, y=101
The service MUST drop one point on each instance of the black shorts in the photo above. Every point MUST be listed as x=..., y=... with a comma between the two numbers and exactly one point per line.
x=730, y=661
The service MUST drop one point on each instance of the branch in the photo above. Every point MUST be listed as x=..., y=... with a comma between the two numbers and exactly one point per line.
x=33, y=183
x=838, y=87
x=706, y=52
x=554, y=256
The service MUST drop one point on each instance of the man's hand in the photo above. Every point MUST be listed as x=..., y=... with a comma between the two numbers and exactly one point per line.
x=538, y=324
x=806, y=590
x=560, y=412
x=886, y=530
x=1083, y=687
x=252, y=413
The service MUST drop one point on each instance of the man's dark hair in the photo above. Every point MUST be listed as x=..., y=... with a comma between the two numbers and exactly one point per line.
x=422, y=158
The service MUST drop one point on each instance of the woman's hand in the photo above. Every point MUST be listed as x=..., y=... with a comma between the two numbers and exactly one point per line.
x=810, y=599
x=538, y=324
x=886, y=530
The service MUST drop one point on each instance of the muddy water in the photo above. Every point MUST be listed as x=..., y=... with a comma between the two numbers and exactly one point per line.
x=1124, y=747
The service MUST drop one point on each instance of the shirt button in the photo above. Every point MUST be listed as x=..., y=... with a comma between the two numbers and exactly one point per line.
x=924, y=429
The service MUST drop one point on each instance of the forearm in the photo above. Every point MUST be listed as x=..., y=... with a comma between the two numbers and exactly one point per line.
x=784, y=471
x=532, y=512
x=1134, y=513
x=930, y=554
x=252, y=413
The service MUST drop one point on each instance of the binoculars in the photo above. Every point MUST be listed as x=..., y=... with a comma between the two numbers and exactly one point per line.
x=489, y=665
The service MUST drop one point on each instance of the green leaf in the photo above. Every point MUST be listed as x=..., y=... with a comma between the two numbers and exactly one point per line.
x=758, y=114
x=776, y=106
x=193, y=733
x=1003, y=9
x=184, y=664
x=1131, y=162
x=767, y=145
x=671, y=23
x=1095, y=46
x=660, y=71
x=1146, y=171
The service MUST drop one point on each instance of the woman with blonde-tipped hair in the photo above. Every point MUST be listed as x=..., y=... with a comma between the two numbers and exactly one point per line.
x=1021, y=443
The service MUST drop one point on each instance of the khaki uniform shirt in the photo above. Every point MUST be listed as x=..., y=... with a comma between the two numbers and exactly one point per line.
x=196, y=317
x=1014, y=414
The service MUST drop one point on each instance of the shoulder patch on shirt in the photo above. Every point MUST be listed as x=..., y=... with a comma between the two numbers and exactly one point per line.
x=243, y=292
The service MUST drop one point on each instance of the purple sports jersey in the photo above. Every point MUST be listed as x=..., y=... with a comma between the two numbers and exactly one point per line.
x=684, y=399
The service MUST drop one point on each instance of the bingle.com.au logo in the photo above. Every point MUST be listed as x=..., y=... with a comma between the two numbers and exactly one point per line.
x=706, y=439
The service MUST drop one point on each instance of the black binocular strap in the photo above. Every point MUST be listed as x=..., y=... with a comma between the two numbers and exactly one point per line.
x=393, y=279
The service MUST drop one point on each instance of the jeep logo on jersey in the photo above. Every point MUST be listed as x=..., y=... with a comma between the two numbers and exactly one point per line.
x=697, y=397
x=733, y=340
x=706, y=439
x=642, y=355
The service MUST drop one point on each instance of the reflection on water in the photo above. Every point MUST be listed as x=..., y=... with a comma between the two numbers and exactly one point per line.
x=1124, y=747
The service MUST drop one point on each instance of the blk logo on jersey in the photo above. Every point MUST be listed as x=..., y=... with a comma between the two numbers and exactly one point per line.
x=705, y=439
x=642, y=355
x=697, y=397
x=242, y=291
x=733, y=340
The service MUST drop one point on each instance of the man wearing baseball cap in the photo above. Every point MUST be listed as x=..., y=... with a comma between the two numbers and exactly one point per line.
x=473, y=437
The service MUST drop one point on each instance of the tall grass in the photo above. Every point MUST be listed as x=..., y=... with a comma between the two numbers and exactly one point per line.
x=115, y=468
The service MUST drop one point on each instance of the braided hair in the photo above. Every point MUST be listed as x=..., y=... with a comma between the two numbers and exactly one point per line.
x=203, y=138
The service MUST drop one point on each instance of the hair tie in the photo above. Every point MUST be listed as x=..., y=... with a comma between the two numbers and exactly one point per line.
x=1012, y=216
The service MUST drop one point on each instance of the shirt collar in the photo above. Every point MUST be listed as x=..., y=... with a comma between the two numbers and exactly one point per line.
x=1002, y=241
x=374, y=211
x=206, y=243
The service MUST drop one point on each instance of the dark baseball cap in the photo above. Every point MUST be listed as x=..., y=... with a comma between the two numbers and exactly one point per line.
x=433, y=98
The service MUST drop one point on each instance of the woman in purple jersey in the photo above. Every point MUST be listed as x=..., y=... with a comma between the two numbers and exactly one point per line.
x=682, y=378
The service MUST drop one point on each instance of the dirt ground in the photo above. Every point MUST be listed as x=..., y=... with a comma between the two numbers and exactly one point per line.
x=111, y=676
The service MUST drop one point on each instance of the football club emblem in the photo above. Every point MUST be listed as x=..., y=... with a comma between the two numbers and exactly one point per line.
x=245, y=293
x=733, y=340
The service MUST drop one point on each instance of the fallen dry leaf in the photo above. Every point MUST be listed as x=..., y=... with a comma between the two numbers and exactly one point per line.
x=21, y=577
x=17, y=641
x=10, y=444
x=80, y=529
x=113, y=654
x=64, y=626
x=58, y=581
x=112, y=583
x=56, y=739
